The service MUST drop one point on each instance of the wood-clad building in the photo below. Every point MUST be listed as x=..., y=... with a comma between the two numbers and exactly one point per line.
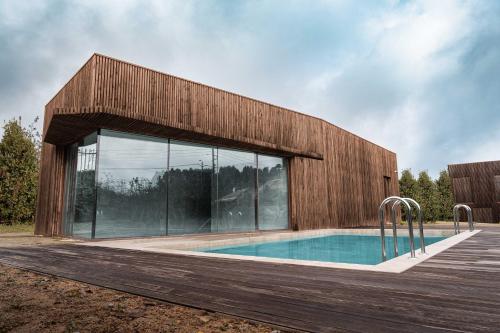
x=331, y=177
x=478, y=185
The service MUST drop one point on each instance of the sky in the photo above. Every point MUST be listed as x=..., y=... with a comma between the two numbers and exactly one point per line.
x=421, y=78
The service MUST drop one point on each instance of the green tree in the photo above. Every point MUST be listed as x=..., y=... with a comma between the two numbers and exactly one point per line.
x=19, y=151
x=407, y=187
x=407, y=184
x=445, y=196
x=427, y=197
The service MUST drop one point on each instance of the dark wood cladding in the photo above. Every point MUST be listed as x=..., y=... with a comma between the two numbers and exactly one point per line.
x=49, y=210
x=143, y=100
x=336, y=177
x=478, y=185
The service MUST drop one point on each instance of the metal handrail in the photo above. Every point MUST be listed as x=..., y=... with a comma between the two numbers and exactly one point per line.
x=410, y=226
x=396, y=203
x=420, y=223
x=381, y=214
x=456, y=217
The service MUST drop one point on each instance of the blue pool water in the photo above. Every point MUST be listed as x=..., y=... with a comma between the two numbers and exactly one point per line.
x=352, y=249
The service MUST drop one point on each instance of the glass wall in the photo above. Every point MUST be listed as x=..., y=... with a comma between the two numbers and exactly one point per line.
x=190, y=188
x=273, y=193
x=131, y=186
x=235, y=201
x=80, y=187
x=143, y=186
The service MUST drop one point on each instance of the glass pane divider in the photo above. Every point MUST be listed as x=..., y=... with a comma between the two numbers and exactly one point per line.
x=167, y=186
x=96, y=168
x=256, y=192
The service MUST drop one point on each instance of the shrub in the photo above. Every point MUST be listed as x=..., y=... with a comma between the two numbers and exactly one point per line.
x=19, y=151
x=445, y=196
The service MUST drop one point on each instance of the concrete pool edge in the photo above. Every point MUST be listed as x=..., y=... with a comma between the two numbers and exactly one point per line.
x=395, y=265
x=211, y=241
x=405, y=262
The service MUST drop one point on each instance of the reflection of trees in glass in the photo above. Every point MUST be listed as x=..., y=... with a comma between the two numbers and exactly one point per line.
x=234, y=179
x=136, y=199
x=236, y=199
x=80, y=191
x=273, y=198
x=85, y=196
x=189, y=200
x=194, y=197
x=202, y=197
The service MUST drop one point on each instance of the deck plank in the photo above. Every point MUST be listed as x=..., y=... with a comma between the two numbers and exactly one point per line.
x=457, y=290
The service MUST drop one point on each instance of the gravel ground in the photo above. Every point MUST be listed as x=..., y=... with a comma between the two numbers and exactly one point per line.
x=31, y=302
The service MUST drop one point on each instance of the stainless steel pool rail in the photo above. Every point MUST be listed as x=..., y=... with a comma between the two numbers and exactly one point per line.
x=456, y=217
x=396, y=203
x=381, y=214
x=420, y=223
x=410, y=227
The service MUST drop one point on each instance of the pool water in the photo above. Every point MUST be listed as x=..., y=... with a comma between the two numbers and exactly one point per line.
x=353, y=249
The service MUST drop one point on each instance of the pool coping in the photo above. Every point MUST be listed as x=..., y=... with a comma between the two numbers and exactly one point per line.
x=395, y=265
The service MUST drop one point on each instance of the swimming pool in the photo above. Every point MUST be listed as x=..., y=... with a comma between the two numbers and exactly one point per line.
x=353, y=249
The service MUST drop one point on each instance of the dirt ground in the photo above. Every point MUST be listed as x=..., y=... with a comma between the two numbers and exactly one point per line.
x=31, y=302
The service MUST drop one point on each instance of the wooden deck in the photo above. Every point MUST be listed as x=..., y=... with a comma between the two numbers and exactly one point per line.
x=457, y=290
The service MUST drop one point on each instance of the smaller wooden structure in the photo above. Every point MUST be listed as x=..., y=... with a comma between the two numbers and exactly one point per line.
x=478, y=185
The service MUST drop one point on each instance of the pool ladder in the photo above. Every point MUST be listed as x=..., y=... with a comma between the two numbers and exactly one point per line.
x=407, y=203
x=456, y=217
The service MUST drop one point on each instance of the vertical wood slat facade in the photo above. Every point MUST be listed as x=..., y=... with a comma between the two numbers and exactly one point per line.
x=478, y=185
x=336, y=177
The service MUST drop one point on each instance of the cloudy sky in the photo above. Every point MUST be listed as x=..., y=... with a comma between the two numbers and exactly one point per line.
x=420, y=78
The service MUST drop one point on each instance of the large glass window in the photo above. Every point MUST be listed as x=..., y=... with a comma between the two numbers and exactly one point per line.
x=273, y=194
x=190, y=188
x=121, y=185
x=131, y=192
x=235, y=201
x=80, y=187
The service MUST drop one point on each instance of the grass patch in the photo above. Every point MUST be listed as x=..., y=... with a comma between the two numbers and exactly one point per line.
x=4, y=228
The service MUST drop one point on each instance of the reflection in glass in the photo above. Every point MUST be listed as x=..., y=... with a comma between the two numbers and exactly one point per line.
x=235, y=201
x=147, y=186
x=190, y=188
x=131, y=195
x=80, y=187
x=273, y=195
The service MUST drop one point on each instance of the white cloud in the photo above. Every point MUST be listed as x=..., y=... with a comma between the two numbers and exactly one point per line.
x=416, y=77
x=409, y=88
x=413, y=37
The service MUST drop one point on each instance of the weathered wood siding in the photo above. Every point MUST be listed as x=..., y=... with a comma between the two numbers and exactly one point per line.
x=50, y=191
x=478, y=185
x=336, y=177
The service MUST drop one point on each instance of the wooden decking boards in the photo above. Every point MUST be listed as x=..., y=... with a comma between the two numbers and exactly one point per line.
x=457, y=290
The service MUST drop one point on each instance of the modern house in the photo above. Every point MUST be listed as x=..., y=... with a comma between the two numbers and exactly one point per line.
x=129, y=151
x=478, y=185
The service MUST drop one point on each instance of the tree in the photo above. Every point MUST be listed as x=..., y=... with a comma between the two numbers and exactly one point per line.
x=19, y=151
x=407, y=184
x=445, y=196
x=427, y=197
x=407, y=187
